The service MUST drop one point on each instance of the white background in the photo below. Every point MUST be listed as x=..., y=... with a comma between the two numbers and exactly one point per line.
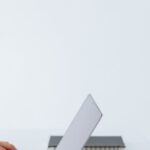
x=53, y=53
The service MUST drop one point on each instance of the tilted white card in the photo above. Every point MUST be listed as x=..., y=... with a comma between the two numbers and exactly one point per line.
x=81, y=127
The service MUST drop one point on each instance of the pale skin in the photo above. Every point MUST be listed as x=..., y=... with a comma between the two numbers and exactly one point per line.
x=6, y=146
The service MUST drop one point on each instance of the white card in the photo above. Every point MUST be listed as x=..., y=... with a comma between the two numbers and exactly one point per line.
x=81, y=127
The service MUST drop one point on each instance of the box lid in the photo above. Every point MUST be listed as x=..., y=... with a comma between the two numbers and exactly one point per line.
x=94, y=141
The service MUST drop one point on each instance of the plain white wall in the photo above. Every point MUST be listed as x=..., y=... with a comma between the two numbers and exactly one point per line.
x=53, y=53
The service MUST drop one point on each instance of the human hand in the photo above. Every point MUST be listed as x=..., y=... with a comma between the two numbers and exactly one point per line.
x=6, y=146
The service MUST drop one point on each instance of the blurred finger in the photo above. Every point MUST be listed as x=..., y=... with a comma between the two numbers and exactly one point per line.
x=13, y=146
x=7, y=146
x=1, y=148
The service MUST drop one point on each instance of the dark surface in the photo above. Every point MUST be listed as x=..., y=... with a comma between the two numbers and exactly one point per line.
x=94, y=141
